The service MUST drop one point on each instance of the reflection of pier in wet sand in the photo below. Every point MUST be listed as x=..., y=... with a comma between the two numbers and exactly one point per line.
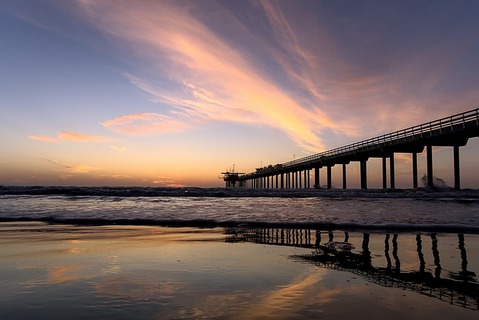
x=459, y=288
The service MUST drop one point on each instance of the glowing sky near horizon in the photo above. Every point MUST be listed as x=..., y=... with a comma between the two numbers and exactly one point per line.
x=171, y=93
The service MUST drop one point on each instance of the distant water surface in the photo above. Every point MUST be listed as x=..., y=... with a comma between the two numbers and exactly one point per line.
x=220, y=206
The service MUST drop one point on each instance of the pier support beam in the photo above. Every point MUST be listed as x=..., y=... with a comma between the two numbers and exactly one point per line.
x=316, y=178
x=430, y=175
x=309, y=179
x=329, y=176
x=391, y=171
x=414, y=170
x=364, y=176
x=282, y=180
x=385, y=179
x=344, y=176
x=457, y=171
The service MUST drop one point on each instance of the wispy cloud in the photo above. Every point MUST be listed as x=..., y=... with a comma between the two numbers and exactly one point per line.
x=273, y=73
x=70, y=136
x=67, y=169
x=214, y=80
x=144, y=124
x=44, y=139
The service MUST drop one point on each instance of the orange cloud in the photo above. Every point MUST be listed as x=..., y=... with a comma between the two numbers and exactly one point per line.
x=70, y=136
x=44, y=139
x=81, y=169
x=78, y=137
x=144, y=124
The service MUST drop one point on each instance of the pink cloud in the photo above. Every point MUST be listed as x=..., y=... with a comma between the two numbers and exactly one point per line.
x=144, y=124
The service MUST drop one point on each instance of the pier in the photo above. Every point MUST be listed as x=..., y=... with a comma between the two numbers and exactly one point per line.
x=453, y=131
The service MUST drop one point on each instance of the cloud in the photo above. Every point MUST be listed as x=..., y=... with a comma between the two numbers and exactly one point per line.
x=70, y=136
x=277, y=64
x=78, y=137
x=81, y=168
x=144, y=124
x=208, y=78
x=44, y=139
x=118, y=148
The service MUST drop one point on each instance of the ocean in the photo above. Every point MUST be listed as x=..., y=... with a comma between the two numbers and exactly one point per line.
x=406, y=210
x=216, y=253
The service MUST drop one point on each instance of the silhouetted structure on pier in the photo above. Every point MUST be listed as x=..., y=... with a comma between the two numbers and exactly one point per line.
x=231, y=177
x=459, y=288
x=453, y=131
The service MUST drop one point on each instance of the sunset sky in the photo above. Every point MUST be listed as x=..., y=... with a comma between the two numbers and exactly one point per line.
x=171, y=93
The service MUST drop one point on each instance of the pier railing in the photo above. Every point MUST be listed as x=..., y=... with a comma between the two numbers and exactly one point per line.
x=447, y=125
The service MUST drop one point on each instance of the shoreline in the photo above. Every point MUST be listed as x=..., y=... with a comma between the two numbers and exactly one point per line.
x=420, y=193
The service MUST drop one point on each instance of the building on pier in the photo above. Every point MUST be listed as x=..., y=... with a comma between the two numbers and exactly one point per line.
x=231, y=177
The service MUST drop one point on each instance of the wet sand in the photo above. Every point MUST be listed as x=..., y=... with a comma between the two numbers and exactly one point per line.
x=150, y=272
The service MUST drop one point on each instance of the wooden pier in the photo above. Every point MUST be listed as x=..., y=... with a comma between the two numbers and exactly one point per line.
x=453, y=131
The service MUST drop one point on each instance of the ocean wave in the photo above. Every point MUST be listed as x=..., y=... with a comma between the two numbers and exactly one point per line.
x=209, y=223
x=470, y=195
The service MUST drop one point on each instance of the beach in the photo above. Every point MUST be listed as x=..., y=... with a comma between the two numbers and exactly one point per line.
x=154, y=272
